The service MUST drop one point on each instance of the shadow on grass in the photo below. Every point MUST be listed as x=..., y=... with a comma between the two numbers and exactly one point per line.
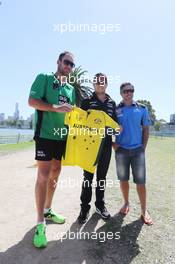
x=75, y=250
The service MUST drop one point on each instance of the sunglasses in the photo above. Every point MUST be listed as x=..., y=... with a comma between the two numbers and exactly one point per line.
x=69, y=63
x=101, y=83
x=128, y=91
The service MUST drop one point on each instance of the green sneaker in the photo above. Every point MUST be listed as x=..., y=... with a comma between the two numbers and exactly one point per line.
x=40, y=239
x=56, y=218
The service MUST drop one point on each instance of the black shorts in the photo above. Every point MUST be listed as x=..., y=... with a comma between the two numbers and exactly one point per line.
x=48, y=149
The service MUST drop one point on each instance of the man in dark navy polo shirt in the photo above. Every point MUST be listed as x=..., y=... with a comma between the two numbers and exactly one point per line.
x=100, y=100
x=130, y=148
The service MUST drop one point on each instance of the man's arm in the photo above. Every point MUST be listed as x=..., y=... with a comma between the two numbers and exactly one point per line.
x=85, y=104
x=42, y=106
x=145, y=126
x=145, y=136
x=37, y=93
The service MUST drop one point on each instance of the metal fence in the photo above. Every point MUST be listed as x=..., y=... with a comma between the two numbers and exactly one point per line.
x=12, y=139
x=17, y=138
x=162, y=133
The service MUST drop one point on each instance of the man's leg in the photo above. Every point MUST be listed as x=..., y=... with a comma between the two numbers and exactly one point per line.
x=41, y=187
x=139, y=175
x=43, y=157
x=86, y=195
x=123, y=171
x=124, y=186
x=52, y=181
x=102, y=170
x=58, y=149
x=141, y=190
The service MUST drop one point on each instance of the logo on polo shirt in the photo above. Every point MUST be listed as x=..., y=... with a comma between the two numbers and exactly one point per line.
x=63, y=99
x=97, y=121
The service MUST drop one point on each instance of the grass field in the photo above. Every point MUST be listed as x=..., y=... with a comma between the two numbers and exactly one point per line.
x=10, y=148
x=140, y=243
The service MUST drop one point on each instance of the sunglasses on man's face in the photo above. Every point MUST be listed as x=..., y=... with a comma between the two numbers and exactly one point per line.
x=128, y=91
x=69, y=63
x=100, y=83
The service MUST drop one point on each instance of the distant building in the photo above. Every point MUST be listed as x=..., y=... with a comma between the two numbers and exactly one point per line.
x=172, y=119
x=10, y=118
x=2, y=117
x=16, y=113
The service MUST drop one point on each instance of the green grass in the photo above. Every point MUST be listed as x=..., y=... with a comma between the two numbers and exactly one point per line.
x=10, y=148
x=143, y=244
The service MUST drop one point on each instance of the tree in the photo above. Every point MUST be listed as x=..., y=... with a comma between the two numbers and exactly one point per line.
x=150, y=109
x=162, y=121
x=157, y=126
x=81, y=84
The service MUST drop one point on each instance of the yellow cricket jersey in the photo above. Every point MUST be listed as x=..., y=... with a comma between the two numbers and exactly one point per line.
x=86, y=134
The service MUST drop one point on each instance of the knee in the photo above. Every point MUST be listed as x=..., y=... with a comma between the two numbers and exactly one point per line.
x=141, y=186
x=55, y=170
x=87, y=183
x=43, y=176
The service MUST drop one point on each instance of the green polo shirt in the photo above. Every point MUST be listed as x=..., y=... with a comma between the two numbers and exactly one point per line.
x=47, y=88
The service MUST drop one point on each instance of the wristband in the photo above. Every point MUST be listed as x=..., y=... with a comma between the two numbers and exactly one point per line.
x=55, y=106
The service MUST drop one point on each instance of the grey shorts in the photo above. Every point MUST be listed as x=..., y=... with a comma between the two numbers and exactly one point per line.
x=134, y=159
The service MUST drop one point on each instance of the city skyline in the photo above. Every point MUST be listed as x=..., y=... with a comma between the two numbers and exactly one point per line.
x=16, y=115
x=139, y=48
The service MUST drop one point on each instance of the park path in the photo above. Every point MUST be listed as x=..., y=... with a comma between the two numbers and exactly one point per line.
x=138, y=243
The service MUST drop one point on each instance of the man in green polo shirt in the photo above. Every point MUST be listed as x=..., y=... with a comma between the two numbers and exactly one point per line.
x=52, y=97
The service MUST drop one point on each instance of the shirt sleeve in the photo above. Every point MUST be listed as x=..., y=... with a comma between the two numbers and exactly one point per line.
x=114, y=115
x=37, y=90
x=146, y=118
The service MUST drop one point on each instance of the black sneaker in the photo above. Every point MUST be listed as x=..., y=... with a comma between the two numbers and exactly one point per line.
x=103, y=213
x=83, y=216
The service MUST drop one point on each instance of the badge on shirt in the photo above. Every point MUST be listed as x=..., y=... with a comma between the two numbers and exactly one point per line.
x=63, y=99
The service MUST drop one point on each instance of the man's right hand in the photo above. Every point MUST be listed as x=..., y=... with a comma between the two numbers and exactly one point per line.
x=63, y=108
x=115, y=146
x=43, y=106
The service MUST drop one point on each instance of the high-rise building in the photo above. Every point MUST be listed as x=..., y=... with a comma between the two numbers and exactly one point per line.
x=16, y=113
x=2, y=117
x=172, y=119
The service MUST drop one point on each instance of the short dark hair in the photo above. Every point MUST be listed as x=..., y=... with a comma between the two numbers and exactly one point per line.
x=123, y=85
x=97, y=78
x=63, y=54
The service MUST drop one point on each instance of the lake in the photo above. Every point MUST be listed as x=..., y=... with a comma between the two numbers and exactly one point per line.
x=15, y=131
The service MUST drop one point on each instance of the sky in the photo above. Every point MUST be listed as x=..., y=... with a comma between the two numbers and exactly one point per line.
x=139, y=48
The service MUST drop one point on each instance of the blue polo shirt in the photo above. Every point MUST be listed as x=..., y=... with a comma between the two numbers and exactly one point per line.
x=131, y=118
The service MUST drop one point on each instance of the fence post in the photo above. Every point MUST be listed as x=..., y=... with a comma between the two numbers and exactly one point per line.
x=18, y=137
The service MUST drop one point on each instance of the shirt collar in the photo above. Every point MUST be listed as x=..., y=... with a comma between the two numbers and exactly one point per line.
x=94, y=96
x=122, y=104
x=57, y=81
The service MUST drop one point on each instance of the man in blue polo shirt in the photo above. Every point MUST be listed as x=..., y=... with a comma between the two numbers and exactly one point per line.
x=130, y=148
